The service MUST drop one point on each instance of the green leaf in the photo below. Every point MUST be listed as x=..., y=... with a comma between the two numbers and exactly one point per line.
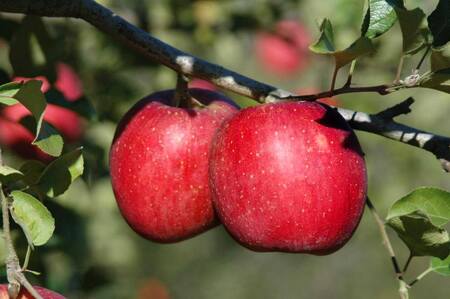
x=439, y=80
x=8, y=174
x=420, y=235
x=439, y=23
x=410, y=21
x=325, y=45
x=433, y=202
x=60, y=173
x=419, y=217
x=379, y=18
x=49, y=140
x=441, y=266
x=34, y=218
x=32, y=171
x=440, y=59
x=8, y=91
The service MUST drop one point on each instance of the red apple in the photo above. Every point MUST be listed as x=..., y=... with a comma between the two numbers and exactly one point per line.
x=288, y=177
x=24, y=294
x=67, y=122
x=159, y=164
x=284, y=51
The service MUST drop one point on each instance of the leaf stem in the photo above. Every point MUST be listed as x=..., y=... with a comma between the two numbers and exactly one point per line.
x=403, y=291
x=408, y=261
x=423, y=57
x=333, y=80
x=27, y=259
x=350, y=74
x=399, y=69
x=420, y=276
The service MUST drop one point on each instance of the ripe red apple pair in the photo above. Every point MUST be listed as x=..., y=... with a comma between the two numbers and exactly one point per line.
x=68, y=123
x=287, y=176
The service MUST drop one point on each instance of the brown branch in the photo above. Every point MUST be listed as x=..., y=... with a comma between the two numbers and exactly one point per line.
x=181, y=62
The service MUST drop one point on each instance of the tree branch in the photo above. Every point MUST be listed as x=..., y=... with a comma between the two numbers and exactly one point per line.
x=181, y=62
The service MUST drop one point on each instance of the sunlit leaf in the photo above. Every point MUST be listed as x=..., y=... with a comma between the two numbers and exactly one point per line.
x=34, y=218
x=379, y=18
x=441, y=266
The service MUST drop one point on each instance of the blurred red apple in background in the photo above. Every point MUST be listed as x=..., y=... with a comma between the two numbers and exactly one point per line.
x=67, y=122
x=203, y=84
x=159, y=164
x=285, y=50
x=24, y=294
x=153, y=289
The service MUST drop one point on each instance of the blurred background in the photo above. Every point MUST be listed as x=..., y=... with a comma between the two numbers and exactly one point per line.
x=94, y=254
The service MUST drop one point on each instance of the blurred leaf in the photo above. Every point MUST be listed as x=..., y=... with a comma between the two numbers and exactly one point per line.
x=325, y=45
x=440, y=59
x=7, y=28
x=81, y=106
x=32, y=171
x=420, y=235
x=34, y=218
x=441, y=266
x=410, y=24
x=47, y=138
x=418, y=219
x=60, y=173
x=434, y=202
x=380, y=17
x=439, y=23
x=8, y=91
x=30, y=49
x=8, y=174
x=439, y=80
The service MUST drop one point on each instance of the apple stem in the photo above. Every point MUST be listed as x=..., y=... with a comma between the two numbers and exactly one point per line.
x=182, y=97
x=14, y=272
x=403, y=290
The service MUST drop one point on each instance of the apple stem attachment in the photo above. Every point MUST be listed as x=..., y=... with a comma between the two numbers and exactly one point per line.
x=182, y=97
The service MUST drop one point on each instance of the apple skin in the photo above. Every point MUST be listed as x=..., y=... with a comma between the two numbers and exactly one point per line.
x=159, y=165
x=67, y=122
x=24, y=294
x=288, y=177
x=284, y=51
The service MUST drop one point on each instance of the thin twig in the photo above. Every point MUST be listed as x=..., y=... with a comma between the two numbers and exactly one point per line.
x=13, y=270
x=333, y=80
x=423, y=57
x=408, y=262
x=350, y=74
x=422, y=275
x=399, y=70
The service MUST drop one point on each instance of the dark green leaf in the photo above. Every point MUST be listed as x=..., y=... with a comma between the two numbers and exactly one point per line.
x=440, y=59
x=439, y=80
x=32, y=171
x=8, y=174
x=59, y=174
x=325, y=45
x=410, y=24
x=81, y=106
x=420, y=235
x=34, y=218
x=441, y=266
x=379, y=18
x=439, y=23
